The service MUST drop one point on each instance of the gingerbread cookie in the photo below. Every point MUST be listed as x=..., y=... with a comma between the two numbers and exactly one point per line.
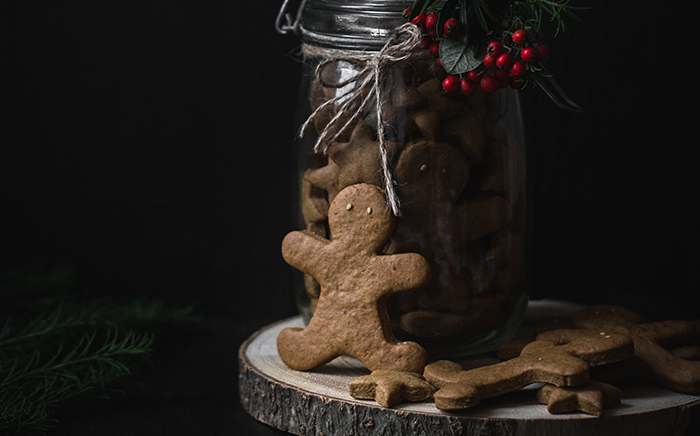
x=390, y=388
x=431, y=175
x=326, y=178
x=651, y=360
x=539, y=361
x=466, y=132
x=590, y=344
x=314, y=205
x=438, y=107
x=562, y=331
x=687, y=352
x=359, y=159
x=590, y=397
x=355, y=161
x=511, y=349
x=482, y=312
x=350, y=316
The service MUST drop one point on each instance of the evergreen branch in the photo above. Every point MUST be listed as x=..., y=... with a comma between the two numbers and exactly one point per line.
x=97, y=314
x=30, y=387
x=83, y=354
x=532, y=12
x=53, y=350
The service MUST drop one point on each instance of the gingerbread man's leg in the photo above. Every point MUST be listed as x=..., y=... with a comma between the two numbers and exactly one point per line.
x=657, y=364
x=382, y=350
x=305, y=349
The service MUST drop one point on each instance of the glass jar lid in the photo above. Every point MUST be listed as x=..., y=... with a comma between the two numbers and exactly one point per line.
x=350, y=24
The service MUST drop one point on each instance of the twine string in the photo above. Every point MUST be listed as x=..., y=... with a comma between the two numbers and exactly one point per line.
x=368, y=84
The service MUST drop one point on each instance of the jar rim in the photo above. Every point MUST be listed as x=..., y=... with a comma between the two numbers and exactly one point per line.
x=365, y=6
x=350, y=24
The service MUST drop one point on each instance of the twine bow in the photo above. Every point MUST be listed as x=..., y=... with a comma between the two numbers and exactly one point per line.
x=368, y=85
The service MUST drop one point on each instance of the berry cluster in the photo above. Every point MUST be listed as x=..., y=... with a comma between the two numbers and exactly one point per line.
x=504, y=64
x=428, y=23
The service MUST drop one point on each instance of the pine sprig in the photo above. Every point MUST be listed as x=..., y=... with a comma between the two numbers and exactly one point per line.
x=532, y=13
x=68, y=317
x=55, y=349
x=31, y=385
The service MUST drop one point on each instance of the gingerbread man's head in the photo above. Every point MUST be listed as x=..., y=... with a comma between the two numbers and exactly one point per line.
x=429, y=171
x=359, y=216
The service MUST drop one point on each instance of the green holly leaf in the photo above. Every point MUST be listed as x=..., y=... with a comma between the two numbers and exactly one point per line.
x=456, y=57
x=419, y=6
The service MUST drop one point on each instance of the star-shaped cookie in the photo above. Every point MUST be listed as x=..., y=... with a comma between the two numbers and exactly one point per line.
x=590, y=397
x=390, y=388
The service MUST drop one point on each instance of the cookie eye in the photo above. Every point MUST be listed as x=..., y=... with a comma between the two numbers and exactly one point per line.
x=423, y=167
x=369, y=210
x=349, y=206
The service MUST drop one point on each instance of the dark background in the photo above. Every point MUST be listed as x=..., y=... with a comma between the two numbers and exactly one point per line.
x=149, y=144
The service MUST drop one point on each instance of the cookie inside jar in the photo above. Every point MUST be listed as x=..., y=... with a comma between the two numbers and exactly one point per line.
x=457, y=164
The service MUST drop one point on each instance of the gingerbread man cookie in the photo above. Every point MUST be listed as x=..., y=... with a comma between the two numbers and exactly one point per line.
x=390, y=388
x=357, y=160
x=350, y=316
x=539, y=361
x=561, y=331
x=651, y=360
x=431, y=177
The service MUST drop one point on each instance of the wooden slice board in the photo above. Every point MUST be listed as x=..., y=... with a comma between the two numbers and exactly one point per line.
x=318, y=403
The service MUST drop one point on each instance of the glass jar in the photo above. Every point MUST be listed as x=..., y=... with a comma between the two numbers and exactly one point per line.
x=456, y=164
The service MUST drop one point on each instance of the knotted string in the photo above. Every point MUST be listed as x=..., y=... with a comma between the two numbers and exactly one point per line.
x=368, y=84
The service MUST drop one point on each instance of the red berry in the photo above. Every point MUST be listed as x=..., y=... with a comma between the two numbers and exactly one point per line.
x=494, y=48
x=473, y=75
x=489, y=85
x=504, y=61
x=451, y=27
x=426, y=41
x=434, y=49
x=542, y=53
x=431, y=21
x=433, y=34
x=438, y=62
x=407, y=12
x=516, y=82
x=451, y=83
x=519, y=37
x=529, y=55
x=467, y=87
x=502, y=76
x=489, y=61
x=518, y=69
x=419, y=20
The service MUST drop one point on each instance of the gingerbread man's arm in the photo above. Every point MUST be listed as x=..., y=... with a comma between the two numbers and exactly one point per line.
x=401, y=271
x=304, y=250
